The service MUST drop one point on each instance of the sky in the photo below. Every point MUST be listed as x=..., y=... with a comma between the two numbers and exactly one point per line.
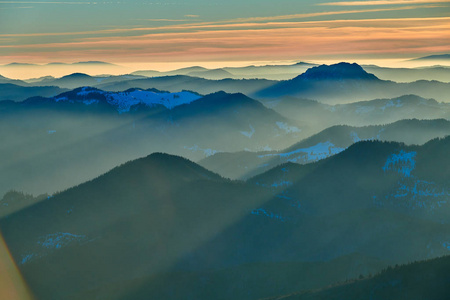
x=239, y=31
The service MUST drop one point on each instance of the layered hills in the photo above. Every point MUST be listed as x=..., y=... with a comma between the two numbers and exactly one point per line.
x=309, y=179
x=47, y=138
x=333, y=140
x=331, y=84
x=161, y=225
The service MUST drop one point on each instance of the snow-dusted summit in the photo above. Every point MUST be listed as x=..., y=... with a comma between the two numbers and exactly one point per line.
x=123, y=101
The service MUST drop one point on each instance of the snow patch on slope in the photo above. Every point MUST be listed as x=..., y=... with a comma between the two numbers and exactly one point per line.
x=123, y=101
x=288, y=129
x=250, y=133
x=416, y=194
x=360, y=109
x=206, y=151
x=403, y=163
x=52, y=242
x=271, y=215
x=59, y=240
x=313, y=153
x=355, y=136
x=391, y=103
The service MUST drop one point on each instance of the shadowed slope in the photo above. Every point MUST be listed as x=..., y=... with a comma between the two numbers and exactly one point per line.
x=419, y=280
x=138, y=219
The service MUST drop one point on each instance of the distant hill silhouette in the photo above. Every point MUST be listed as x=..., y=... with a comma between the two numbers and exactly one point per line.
x=434, y=57
x=10, y=91
x=138, y=219
x=345, y=83
x=338, y=83
x=362, y=113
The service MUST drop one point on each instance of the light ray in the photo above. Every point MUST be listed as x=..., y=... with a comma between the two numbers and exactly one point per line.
x=12, y=284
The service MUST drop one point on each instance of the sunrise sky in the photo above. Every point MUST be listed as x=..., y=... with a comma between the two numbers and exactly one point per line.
x=184, y=31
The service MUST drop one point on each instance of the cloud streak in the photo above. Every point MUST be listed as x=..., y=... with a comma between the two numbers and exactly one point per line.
x=45, y=2
x=321, y=14
x=279, y=37
x=381, y=2
x=16, y=7
x=253, y=41
x=205, y=25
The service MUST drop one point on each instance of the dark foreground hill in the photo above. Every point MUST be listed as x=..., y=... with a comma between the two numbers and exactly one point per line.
x=135, y=220
x=162, y=227
x=416, y=281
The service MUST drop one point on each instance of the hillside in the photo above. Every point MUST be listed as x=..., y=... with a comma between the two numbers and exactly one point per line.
x=419, y=280
x=361, y=113
x=13, y=92
x=162, y=224
x=333, y=140
x=138, y=219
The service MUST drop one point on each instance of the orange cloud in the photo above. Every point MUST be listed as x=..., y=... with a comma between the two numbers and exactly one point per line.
x=253, y=41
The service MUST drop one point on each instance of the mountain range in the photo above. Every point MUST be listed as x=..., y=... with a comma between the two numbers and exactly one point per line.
x=339, y=83
x=118, y=126
x=333, y=140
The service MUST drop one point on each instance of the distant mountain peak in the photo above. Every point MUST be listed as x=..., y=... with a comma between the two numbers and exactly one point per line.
x=434, y=57
x=92, y=63
x=339, y=71
x=302, y=63
x=77, y=75
x=16, y=64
